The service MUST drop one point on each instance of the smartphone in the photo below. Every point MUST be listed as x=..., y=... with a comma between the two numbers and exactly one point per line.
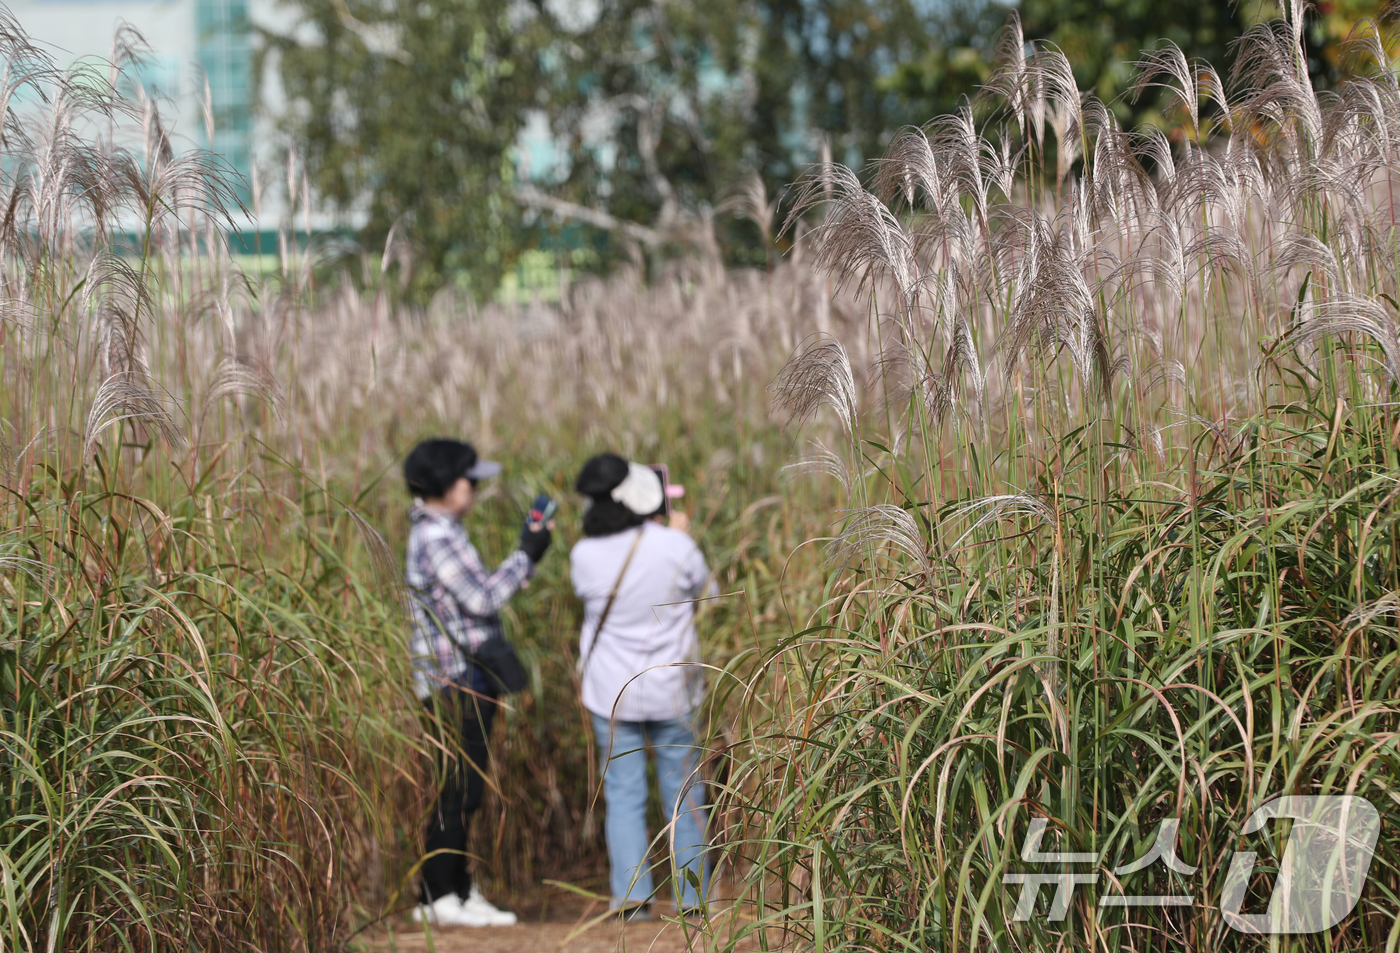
x=662, y=471
x=542, y=510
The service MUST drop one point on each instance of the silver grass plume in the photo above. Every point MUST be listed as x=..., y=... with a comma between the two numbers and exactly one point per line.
x=1055, y=306
x=1066, y=106
x=1210, y=84
x=1121, y=188
x=1160, y=253
x=956, y=236
x=236, y=378
x=1241, y=181
x=1180, y=80
x=38, y=571
x=1307, y=252
x=1215, y=248
x=960, y=362
x=909, y=171
x=911, y=364
x=859, y=236
x=384, y=566
x=1023, y=89
x=125, y=397
x=1154, y=150
x=21, y=314
x=960, y=149
x=899, y=369
x=986, y=510
x=1366, y=613
x=885, y=524
x=121, y=295
x=818, y=374
x=164, y=185
x=1271, y=64
x=750, y=200
x=821, y=459
x=1164, y=373
x=1000, y=163
x=1351, y=313
x=962, y=357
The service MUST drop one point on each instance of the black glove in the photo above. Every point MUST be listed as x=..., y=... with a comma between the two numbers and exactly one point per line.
x=535, y=541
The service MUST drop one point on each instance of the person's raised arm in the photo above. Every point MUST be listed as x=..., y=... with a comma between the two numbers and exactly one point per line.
x=462, y=573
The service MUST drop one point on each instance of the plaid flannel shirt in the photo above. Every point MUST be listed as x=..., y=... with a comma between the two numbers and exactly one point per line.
x=445, y=571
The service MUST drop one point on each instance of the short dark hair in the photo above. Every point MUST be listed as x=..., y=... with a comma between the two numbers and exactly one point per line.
x=434, y=465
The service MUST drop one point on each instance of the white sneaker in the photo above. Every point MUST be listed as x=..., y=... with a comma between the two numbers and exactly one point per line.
x=444, y=911
x=481, y=913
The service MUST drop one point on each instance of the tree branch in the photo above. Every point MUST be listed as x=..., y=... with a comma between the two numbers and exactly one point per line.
x=533, y=197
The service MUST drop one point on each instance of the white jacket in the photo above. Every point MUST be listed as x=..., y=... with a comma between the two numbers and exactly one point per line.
x=643, y=667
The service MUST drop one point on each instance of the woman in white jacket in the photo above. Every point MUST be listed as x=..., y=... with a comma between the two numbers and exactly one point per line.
x=642, y=683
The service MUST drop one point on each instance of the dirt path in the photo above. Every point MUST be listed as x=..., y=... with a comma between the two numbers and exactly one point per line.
x=655, y=937
x=557, y=928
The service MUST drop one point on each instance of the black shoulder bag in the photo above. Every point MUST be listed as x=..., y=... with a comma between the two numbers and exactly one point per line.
x=495, y=656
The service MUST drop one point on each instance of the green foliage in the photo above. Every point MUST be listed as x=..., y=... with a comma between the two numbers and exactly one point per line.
x=1104, y=38
x=660, y=112
x=415, y=106
x=666, y=83
x=187, y=719
x=1142, y=655
x=951, y=65
x=824, y=69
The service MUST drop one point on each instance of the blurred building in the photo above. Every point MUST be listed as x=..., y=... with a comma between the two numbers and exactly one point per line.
x=191, y=42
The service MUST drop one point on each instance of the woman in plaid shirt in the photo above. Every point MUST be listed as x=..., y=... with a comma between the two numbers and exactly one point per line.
x=456, y=604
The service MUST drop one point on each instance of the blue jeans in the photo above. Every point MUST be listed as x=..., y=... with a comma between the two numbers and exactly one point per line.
x=624, y=764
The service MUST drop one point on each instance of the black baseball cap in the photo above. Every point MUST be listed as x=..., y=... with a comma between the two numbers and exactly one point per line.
x=434, y=465
x=482, y=469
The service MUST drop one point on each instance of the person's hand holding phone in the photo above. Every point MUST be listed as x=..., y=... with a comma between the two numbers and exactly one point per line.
x=535, y=536
x=679, y=520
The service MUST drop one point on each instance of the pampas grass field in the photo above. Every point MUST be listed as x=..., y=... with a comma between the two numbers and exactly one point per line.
x=208, y=733
x=1050, y=476
x=1120, y=545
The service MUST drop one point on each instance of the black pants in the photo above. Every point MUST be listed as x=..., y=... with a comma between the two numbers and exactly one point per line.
x=463, y=725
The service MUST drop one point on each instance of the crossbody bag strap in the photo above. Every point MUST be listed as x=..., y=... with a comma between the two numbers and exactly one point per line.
x=612, y=596
x=425, y=603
